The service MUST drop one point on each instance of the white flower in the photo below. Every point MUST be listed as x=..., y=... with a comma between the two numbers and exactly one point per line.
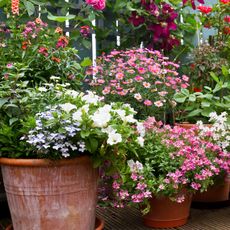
x=108, y=130
x=77, y=115
x=121, y=113
x=91, y=98
x=141, y=141
x=114, y=138
x=67, y=107
x=129, y=119
x=72, y=93
x=42, y=89
x=100, y=118
x=135, y=166
x=141, y=129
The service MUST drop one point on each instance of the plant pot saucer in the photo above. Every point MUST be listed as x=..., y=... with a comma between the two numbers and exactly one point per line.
x=99, y=224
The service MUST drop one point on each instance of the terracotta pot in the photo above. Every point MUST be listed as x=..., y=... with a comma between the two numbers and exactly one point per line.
x=45, y=194
x=99, y=225
x=165, y=213
x=215, y=193
x=186, y=125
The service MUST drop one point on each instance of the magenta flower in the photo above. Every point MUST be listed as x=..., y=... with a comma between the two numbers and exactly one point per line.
x=96, y=4
x=148, y=103
x=193, y=2
x=135, y=19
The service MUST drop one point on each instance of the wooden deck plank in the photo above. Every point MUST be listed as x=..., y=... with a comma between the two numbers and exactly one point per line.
x=130, y=219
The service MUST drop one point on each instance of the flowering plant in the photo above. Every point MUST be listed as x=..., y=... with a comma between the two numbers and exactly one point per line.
x=173, y=160
x=33, y=52
x=145, y=79
x=72, y=124
x=219, y=131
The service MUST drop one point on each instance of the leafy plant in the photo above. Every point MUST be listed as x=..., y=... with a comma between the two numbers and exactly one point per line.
x=195, y=106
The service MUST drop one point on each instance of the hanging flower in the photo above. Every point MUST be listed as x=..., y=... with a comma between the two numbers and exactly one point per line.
x=193, y=2
x=15, y=6
x=135, y=19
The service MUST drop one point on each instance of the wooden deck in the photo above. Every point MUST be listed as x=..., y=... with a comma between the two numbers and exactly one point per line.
x=200, y=219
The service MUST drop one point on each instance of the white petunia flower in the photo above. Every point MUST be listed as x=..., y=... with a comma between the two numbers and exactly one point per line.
x=91, y=98
x=141, y=129
x=67, y=107
x=114, y=138
x=100, y=119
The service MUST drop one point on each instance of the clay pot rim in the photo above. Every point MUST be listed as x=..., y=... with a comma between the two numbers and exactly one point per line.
x=42, y=162
x=98, y=220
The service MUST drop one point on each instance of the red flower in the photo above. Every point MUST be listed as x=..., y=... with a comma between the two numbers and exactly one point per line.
x=227, y=19
x=226, y=30
x=225, y=1
x=197, y=90
x=205, y=9
x=193, y=3
x=62, y=42
x=58, y=60
x=25, y=45
x=85, y=31
x=15, y=6
x=192, y=66
x=43, y=50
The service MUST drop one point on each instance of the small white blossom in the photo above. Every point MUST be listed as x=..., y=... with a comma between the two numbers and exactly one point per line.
x=67, y=107
x=141, y=141
x=114, y=138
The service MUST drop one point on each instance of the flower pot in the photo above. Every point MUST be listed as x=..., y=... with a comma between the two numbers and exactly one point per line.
x=165, y=213
x=45, y=194
x=215, y=193
x=187, y=125
x=99, y=225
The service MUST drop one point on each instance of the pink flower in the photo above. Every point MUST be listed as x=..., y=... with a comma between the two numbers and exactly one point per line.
x=185, y=78
x=9, y=65
x=85, y=31
x=158, y=103
x=96, y=4
x=119, y=76
x=163, y=93
x=139, y=78
x=138, y=96
x=148, y=103
x=141, y=70
x=146, y=84
x=184, y=86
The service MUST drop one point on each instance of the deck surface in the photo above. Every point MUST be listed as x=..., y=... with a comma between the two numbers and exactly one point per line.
x=200, y=219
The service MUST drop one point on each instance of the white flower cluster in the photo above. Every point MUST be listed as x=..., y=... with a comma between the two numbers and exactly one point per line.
x=135, y=166
x=220, y=130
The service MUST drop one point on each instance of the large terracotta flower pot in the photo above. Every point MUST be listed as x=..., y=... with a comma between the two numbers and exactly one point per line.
x=44, y=194
x=165, y=213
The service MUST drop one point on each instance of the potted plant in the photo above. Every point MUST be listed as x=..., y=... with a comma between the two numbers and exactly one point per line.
x=194, y=106
x=144, y=78
x=49, y=173
x=218, y=133
x=174, y=163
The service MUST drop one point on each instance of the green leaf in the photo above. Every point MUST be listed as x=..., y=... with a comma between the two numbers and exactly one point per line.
x=60, y=18
x=29, y=7
x=93, y=144
x=225, y=70
x=3, y=2
x=86, y=62
x=86, y=43
x=179, y=97
x=3, y=101
x=214, y=77
x=206, y=112
x=194, y=113
x=205, y=104
x=12, y=120
x=185, y=92
x=192, y=98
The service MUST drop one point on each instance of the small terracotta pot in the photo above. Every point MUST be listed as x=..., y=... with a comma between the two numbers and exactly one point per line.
x=165, y=213
x=215, y=193
x=186, y=125
x=47, y=194
x=99, y=224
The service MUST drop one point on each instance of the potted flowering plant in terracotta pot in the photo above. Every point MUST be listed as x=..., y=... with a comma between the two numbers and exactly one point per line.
x=218, y=133
x=144, y=78
x=174, y=163
x=51, y=177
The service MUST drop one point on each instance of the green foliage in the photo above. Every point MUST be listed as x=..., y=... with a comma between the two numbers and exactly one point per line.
x=195, y=106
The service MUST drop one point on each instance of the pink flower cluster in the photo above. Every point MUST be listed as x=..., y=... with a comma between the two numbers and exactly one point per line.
x=199, y=159
x=141, y=77
x=96, y=4
x=124, y=194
